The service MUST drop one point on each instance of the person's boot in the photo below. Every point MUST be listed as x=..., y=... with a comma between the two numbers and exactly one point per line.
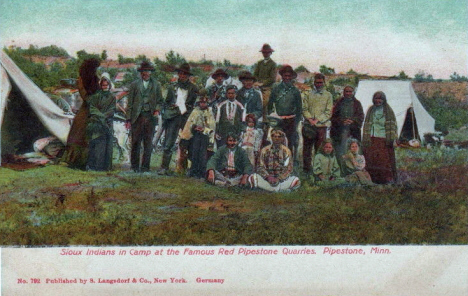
x=166, y=160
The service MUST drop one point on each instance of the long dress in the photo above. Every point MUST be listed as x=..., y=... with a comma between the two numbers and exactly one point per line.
x=76, y=152
x=100, y=132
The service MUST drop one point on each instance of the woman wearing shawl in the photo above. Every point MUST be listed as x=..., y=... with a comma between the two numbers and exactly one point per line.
x=99, y=128
x=379, y=136
x=76, y=154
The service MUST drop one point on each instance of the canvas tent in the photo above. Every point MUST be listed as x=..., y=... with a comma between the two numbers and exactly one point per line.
x=26, y=113
x=412, y=119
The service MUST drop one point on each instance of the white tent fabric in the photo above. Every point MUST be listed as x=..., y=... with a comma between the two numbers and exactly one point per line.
x=400, y=96
x=51, y=116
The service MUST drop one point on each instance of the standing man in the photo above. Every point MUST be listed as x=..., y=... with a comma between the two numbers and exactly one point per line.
x=265, y=72
x=286, y=101
x=177, y=107
x=317, y=108
x=229, y=117
x=346, y=121
x=250, y=97
x=217, y=91
x=144, y=104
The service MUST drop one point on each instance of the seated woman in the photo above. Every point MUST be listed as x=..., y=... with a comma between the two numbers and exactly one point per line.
x=230, y=165
x=326, y=168
x=99, y=128
x=275, y=167
x=354, y=165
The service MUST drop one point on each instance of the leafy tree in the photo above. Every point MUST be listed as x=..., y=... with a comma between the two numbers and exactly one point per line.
x=352, y=72
x=174, y=59
x=104, y=55
x=421, y=77
x=402, y=76
x=457, y=78
x=83, y=55
x=301, y=68
x=326, y=70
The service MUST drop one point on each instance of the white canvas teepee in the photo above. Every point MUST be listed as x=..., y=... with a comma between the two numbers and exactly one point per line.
x=401, y=97
x=12, y=79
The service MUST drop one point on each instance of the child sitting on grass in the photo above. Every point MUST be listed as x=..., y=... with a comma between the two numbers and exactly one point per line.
x=354, y=164
x=326, y=168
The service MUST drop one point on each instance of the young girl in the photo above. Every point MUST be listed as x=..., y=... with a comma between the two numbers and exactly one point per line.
x=251, y=139
x=354, y=164
x=326, y=166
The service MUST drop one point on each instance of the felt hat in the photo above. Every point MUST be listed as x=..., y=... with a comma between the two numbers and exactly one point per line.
x=145, y=66
x=246, y=75
x=266, y=48
x=220, y=72
x=286, y=69
x=185, y=68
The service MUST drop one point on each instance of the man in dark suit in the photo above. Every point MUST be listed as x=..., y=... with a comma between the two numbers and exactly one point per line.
x=144, y=104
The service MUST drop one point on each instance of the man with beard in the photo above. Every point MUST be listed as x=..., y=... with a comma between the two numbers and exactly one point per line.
x=144, y=104
x=230, y=165
x=178, y=105
x=346, y=120
x=286, y=102
x=275, y=167
x=317, y=107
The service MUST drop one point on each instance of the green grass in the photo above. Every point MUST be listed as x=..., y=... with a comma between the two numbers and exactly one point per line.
x=124, y=208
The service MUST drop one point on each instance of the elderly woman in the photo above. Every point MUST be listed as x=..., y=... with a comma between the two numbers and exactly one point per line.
x=378, y=140
x=274, y=172
x=99, y=128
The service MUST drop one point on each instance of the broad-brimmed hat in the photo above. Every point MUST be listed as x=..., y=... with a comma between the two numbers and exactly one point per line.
x=145, y=66
x=246, y=75
x=220, y=72
x=266, y=48
x=286, y=69
x=185, y=68
x=202, y=96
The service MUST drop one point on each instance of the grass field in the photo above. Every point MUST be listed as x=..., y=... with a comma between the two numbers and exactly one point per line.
x=55, y=205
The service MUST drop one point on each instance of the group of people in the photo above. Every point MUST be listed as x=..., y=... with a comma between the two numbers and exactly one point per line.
x=247, y=136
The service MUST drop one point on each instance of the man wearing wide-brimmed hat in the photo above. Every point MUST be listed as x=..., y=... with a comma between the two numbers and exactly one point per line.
x=144, y=104
x=178, y=105
x=250, y=97
x=265, y=72
x=217, y=91
x=285, y=100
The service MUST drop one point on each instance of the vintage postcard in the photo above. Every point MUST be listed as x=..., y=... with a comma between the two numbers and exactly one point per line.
x=233, y=147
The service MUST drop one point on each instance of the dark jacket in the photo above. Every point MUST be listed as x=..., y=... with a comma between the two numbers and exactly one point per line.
x=337, y=126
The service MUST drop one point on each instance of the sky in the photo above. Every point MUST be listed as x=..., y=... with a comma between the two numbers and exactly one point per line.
x=369, y=36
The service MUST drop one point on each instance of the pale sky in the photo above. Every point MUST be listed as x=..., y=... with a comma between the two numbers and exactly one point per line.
x=369, y=36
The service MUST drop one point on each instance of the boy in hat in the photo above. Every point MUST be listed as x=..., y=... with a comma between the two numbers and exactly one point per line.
x=265, y=72
x=178, y=105
x=317, y=111
x=250, y=97
x=230, y=165
x=285, y=100
x=144, y=104
x=199, y=131
x=229, y=117
x=217, y=91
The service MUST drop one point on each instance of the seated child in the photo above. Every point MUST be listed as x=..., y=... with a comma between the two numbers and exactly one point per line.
x=326, y=166
x=251, y=139
x=354, y=164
